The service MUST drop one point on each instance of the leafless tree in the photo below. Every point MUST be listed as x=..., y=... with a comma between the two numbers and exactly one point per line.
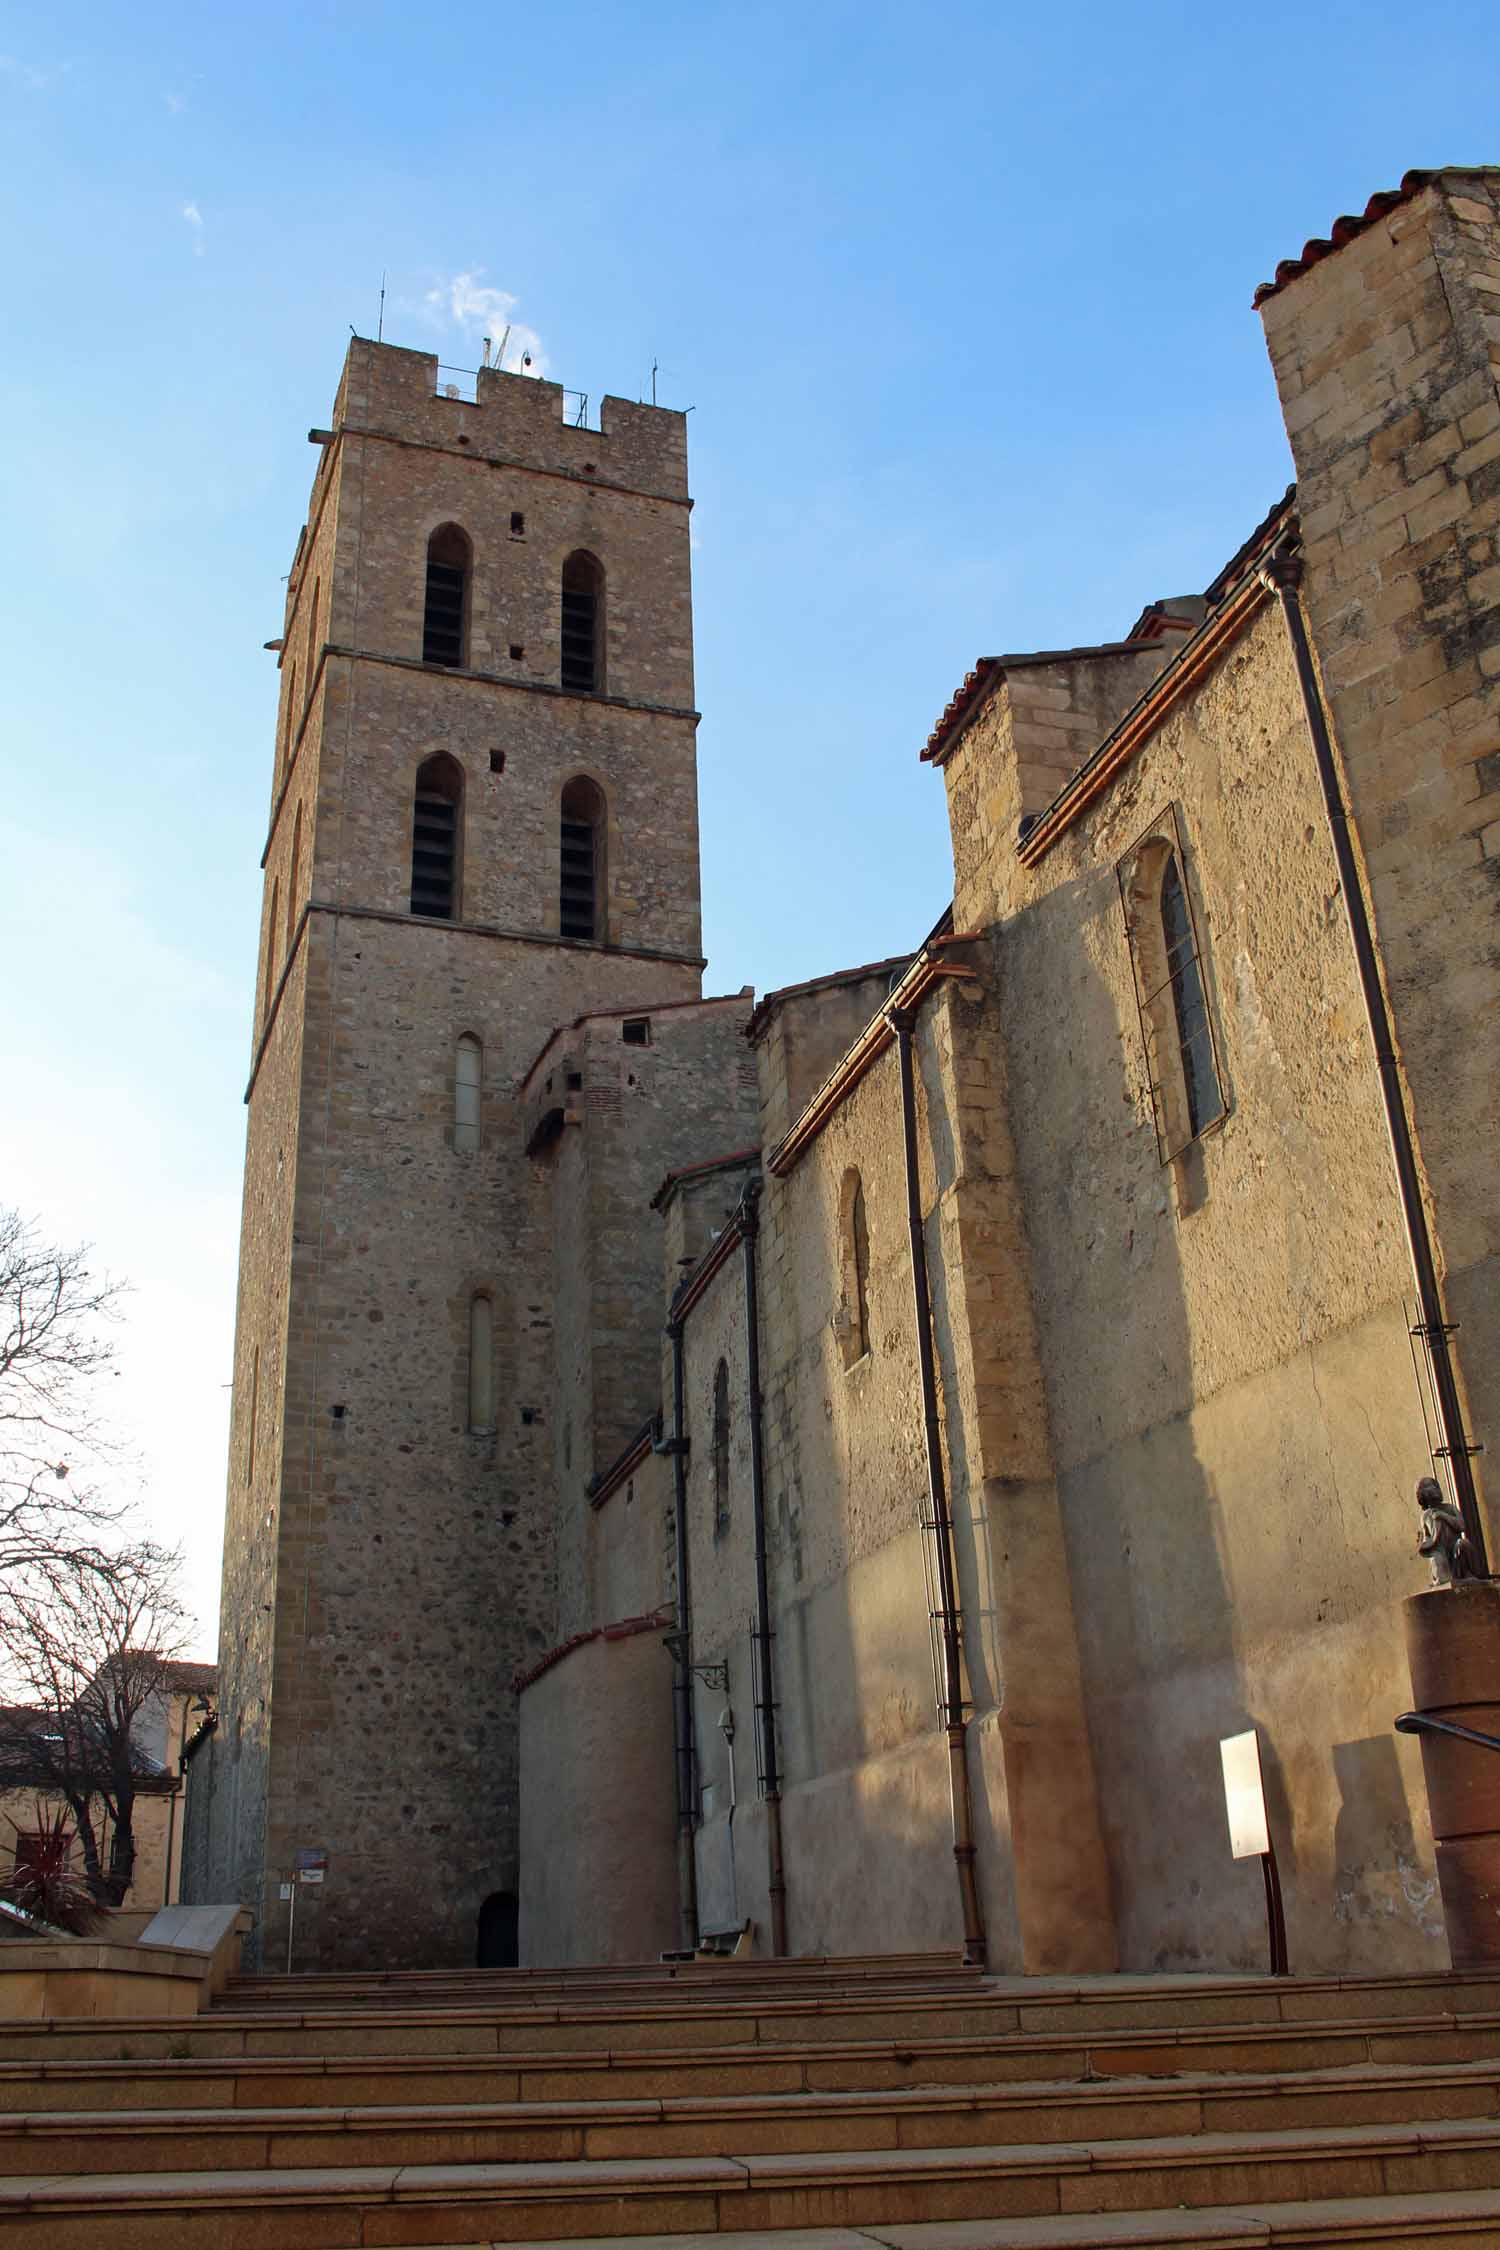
x=89, y=1642
x=55, y=1354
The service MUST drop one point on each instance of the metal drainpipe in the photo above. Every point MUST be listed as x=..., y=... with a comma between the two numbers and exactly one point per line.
x=750, y=1229
x=1283, y=573
x=903, y=1021
x=682, y=1680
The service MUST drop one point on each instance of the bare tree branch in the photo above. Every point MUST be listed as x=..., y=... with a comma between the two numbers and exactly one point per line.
x=90, y=1645
x=55, y=1354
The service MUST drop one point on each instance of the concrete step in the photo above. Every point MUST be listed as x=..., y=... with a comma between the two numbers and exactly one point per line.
x=243, y=2139
x=132, y=2066
x=301, y=2209
x=997, y=2007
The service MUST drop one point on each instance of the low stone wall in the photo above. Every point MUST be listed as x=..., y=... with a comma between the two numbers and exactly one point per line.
x=180, y=1960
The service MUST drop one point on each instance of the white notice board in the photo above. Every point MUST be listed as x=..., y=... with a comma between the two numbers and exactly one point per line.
x=1245, y=1795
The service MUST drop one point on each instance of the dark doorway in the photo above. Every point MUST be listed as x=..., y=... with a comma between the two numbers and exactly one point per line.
x=499, y=1931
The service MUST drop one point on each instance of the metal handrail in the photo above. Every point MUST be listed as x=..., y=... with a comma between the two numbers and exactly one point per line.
x=1419, y=1722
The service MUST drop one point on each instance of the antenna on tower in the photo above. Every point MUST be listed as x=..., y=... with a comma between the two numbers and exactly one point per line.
x=380, y=324
x=654, y=365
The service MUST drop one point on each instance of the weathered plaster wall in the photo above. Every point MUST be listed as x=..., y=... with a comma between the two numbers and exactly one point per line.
x=597, y=1881
x=1234, y=1421
x=1387, y=358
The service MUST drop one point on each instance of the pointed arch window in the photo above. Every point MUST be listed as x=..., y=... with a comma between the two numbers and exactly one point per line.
x=481, y=1362
x=271, y=921
x=853, y=1319
x=721, y=1448
x=468, y=1078
x=1186, y=1090
x=581, y=875
x=583, y=624
x=445, y=619
x=436, y=838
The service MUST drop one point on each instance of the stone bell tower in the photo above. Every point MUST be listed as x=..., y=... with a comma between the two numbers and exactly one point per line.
x=483, y=823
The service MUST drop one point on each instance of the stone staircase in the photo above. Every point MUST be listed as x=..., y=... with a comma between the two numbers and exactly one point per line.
x=829, y=2104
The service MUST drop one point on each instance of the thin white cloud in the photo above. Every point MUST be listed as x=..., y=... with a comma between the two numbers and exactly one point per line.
x=194, y=218
x=176, y=103
x=465, y=302
x=33, y=76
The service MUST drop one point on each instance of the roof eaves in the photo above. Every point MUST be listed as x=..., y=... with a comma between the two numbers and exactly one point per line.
x=762, y=1013
x=1349, y=225
x=669, y=1186
x=964, y=704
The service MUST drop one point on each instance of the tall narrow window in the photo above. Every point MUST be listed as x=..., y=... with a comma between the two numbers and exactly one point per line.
x=721, y=1448
x=254, y=1414
x=1185, y=1088
x=291, y=880
x=583, y=624
x=481, y=1364
x=581, y=886
x=271, y=920
x=290, y=742
x=312, y=628
x=445, y=618
x=436, y=835
x=468, y=1072
x=1194, y=1042
x=853, y=1317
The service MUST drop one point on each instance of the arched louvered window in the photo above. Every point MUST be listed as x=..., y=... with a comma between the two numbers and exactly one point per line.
x=581, y=886
x=853, y=1320
x=468, y=1076
x=437, y=838
x=1185, y=1089
x=583, y=624
x=481, y=1363
x=445, y=619
x=721, y=1447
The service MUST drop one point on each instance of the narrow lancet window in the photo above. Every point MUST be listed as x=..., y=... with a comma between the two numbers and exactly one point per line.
x=581, y=885
x=583, y=624
x=436, y=835
x=254, y=1414
x=271, y=921
x=468, y=1072
x=1185, y=1088
x=853, y=1319
x=1195, y=1045
x=481, y=1364
x=721, y=1448
x=445, y=618
x=293, y=873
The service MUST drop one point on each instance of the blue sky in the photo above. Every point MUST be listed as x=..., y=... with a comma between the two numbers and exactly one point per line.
x=960, y=299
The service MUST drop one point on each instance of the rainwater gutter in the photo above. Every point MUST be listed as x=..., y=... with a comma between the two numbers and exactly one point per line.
x=1282, y=572
x=749, y=1222
x=902, y=1021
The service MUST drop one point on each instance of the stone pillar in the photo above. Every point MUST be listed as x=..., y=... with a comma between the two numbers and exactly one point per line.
x=1453, y=1647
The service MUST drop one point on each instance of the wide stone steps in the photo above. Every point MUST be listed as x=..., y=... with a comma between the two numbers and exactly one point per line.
x=242, y=2139
x=135, y=2066
x=772, y=2107
x=308, y=2208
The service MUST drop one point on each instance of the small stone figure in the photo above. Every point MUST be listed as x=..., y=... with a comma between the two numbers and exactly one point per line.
x=1443, y=1539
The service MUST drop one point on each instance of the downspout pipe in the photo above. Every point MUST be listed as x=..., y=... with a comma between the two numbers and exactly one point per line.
x=682, y=1659
x=1283, y=574
x=770, y=1761
x=903, y=1022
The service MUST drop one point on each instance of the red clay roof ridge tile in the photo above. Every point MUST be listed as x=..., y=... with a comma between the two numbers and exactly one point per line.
x=1348, y=225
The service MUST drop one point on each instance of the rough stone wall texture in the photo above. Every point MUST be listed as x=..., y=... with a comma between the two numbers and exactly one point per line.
x=1233, y=1415
x=683, y=1097
x=387, y=1568
x=806, y=1032
x=1387, y=358
x=597, y=1879
x=1042, y=721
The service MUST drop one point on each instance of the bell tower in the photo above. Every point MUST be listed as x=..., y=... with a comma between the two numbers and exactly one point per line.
x=483, y=824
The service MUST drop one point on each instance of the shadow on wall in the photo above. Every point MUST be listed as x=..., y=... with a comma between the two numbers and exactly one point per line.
x=498, y=1944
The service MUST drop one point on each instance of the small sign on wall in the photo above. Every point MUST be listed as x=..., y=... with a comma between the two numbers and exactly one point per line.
x=312, y=1864
x=1245, y=1795
x=1250, y=1830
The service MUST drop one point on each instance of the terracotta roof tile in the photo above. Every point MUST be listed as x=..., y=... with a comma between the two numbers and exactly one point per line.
x=1349, y=224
